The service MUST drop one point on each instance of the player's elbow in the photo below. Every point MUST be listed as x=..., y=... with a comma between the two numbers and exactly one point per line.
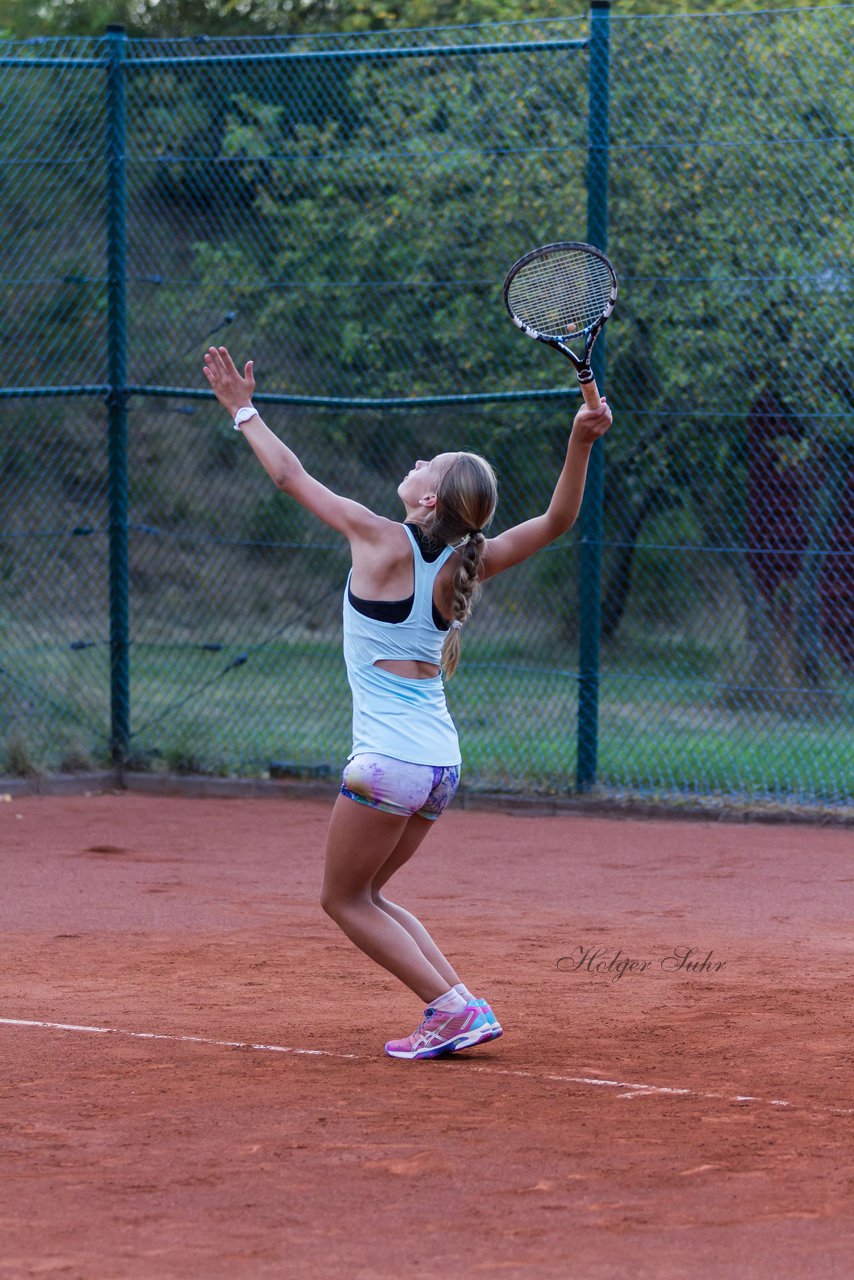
x=286, y=476
x=557, y=523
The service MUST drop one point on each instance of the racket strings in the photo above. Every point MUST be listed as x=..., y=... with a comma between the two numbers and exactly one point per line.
x=561, y=294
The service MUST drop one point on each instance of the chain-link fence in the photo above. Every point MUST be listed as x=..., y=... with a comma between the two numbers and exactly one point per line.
x=342, y=210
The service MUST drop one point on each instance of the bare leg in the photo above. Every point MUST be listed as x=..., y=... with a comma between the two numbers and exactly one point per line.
x=359, y=843
x=413, y=835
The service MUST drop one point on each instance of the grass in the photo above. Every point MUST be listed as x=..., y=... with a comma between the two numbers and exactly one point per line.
x=666, y=733
x=20, y=762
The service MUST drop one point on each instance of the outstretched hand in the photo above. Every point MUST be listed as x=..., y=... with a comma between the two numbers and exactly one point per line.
x=590, y=424
x=230, y=389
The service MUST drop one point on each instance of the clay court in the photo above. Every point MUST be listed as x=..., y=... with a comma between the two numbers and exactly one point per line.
x=194, y=1082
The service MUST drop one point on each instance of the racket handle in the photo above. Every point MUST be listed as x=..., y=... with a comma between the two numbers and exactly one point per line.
x=591, y=393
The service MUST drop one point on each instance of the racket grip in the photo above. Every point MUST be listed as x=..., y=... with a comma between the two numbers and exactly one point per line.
x=591, y=393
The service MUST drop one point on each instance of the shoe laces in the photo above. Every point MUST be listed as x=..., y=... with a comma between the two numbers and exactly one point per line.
x=425, y=1030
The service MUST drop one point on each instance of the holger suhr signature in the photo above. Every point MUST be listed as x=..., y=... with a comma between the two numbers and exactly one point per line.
x=600, y=960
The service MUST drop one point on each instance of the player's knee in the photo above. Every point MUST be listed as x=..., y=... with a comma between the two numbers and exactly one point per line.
x=338, y=904
x=329, y=901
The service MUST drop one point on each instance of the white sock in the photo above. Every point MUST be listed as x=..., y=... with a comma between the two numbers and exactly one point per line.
x=450, y=1002
x=464, y=992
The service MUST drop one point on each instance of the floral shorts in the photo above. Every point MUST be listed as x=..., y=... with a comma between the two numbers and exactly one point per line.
x=397, y=787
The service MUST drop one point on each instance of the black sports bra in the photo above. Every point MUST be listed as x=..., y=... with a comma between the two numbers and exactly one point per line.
x=399, y=610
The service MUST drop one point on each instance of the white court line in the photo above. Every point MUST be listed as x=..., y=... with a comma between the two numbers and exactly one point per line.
x=632, y=1089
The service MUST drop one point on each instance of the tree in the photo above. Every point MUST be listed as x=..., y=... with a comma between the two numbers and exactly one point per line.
x=359, y=215
x=21, y=18
x=415, y=180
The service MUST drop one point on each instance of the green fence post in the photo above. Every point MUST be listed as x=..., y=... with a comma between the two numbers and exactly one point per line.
x=590, y=568
x=117, y=397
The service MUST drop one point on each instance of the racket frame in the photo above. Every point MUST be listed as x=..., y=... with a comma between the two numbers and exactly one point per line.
x=560, y=341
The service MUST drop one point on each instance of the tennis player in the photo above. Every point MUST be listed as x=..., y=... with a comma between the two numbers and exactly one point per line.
x=409, y=592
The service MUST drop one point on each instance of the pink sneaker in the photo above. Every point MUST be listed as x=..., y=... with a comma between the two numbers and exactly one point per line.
x=442, y=1033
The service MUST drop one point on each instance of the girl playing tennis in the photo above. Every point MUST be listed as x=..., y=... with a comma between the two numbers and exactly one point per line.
x=409, y=592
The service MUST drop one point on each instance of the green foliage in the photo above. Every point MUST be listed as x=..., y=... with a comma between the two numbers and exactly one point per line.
x=20, y=762
x=76, y=756
x=183, y=755
x=277, y=527
x=411, y=183
x=22, y=18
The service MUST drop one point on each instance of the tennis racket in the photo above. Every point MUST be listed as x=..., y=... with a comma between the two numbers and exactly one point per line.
x=560, y=293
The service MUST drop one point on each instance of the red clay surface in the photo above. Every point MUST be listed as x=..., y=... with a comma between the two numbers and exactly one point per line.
x=131, y=1157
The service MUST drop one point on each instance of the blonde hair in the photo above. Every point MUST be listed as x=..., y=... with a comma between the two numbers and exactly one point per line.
x=465, y=504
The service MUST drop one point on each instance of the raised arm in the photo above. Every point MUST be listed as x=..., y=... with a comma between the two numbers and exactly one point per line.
x=282, y=465
x=517, y=544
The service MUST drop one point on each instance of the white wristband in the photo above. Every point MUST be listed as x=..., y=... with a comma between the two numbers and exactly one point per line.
x=243, y=415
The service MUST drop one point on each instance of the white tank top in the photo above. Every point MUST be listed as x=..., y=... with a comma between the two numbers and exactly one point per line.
x=394, y=715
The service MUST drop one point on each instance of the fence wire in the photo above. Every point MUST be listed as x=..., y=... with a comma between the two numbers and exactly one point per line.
x=343, y=210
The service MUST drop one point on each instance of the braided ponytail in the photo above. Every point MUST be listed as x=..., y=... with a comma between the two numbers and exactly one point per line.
x=465, y=503
x=466, y=591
